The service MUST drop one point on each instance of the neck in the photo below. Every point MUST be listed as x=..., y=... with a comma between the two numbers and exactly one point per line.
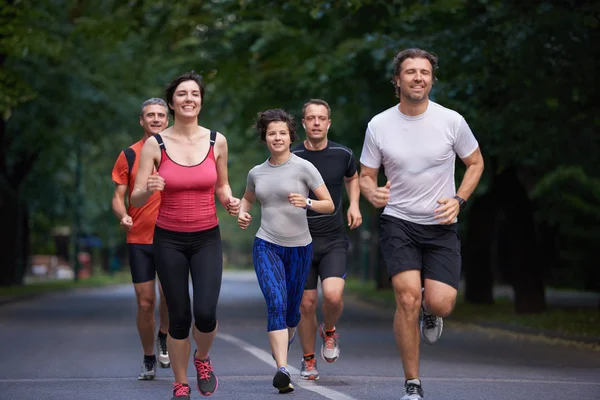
x=186, y=127
x=277, y=159
x=412, y=108
x=147, y=135
x=318, y=144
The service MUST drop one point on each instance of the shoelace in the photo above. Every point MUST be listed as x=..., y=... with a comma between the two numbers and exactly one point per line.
x=163, y=345
x=330, y=340
x=204, y=368
x=149, y=365
x=429, y=320
x=179, y=389
x=412, y=388
x=309, y=365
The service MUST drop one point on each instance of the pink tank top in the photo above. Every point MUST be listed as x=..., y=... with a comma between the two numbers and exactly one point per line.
x=187, y=203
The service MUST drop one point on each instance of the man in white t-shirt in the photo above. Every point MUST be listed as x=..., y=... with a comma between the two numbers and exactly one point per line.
x=416, y=142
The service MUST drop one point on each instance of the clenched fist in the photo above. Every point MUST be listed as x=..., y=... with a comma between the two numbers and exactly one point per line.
x=381, y=195
x=126, y=223
x=244, y=220
x=156, y=183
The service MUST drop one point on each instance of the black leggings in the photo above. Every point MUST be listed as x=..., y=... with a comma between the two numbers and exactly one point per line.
x=178, y=255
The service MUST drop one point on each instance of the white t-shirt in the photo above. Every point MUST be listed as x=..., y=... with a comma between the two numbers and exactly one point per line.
x=418, y=154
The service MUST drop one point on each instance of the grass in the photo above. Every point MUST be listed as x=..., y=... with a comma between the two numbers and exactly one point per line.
x=563, y=321
x=96, y=280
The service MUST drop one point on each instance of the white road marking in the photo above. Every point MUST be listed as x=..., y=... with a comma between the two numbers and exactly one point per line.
x=267, y=358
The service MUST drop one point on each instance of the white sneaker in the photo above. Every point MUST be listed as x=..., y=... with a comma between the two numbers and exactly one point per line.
x=430, y=326
x=162, y=355
x=148, y=371
x=330, y=349
x=412, y=390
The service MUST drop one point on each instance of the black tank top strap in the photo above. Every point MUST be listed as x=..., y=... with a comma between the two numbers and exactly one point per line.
x=159, y=139
x=213, y=138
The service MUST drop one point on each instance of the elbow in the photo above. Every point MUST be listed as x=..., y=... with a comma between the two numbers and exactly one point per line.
x=330, y=207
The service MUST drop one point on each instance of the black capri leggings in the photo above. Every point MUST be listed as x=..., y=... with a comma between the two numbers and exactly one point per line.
x=178, y=255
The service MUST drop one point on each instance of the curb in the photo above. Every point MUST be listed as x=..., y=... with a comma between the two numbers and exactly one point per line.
x=533, y=333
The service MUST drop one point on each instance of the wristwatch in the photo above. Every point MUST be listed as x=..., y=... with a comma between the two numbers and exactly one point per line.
x=308, y=203
x=461, y=202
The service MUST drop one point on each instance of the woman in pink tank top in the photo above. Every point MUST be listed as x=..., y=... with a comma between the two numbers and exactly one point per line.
x=187, y=163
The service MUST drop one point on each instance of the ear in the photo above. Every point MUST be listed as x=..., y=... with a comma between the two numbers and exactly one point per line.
x=141, y=121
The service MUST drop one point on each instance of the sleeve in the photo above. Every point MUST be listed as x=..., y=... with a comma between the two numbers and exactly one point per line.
x=351, y=169
x=465, y=143
x=371, y=155
x=311, y=175
x=250, y=181
x=120, y=172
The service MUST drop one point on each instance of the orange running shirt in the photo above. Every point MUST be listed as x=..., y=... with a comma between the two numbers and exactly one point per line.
x=144, y=218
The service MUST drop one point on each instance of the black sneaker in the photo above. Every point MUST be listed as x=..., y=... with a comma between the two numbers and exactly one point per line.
x=412, y=390
x=181, y=391
x=283, y=381
x=207, y=380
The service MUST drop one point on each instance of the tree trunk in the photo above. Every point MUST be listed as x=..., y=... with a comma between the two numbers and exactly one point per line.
x=477, y=257
x=525, y=269
x=8, y=241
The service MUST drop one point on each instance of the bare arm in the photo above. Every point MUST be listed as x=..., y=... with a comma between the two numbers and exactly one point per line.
x=149, y=157
x=324, y=204
x=353, y=189
x=222, y=188
x=475, y=166
x=449, y=208
x=244, y=217
x=118, y=201
x=378, y=196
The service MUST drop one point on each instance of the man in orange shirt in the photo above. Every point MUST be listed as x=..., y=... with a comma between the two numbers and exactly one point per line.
x=139, y=225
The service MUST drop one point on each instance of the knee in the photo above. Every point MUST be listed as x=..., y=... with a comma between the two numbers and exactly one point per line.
x=440, y=306
x=146, y=304
x=179, y=326
x=333, y=299
x=308, y=306
x=205, y=321
x=408, y=301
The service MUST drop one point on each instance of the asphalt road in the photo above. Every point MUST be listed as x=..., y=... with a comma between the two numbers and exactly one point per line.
x=84, y=345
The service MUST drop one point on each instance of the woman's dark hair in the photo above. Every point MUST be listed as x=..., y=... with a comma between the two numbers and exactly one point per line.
x=275, y=115
x=188, y=76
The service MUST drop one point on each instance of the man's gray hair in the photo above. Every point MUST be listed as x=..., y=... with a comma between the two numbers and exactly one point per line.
x=152, y=101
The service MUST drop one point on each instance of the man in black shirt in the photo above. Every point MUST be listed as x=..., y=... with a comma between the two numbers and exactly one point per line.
x=337, y=166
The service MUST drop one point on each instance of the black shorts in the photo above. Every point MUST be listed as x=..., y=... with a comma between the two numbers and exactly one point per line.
x=432, y=249
x=329, y=259
x=141, y=262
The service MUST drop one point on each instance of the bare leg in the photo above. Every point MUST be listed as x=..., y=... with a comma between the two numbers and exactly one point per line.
x=279, y=346
x=146, y=301
x=308, y=323
x=333, y=304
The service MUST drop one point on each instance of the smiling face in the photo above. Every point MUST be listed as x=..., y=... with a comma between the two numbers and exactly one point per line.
x=414, y=80
x=154, y=119
x=278, y=138
x=187, y=100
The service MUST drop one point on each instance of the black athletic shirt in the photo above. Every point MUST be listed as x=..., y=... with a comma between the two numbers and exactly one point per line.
x=334, y=163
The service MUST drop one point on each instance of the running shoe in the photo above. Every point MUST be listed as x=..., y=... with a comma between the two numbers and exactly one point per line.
x=330, y=349
x=207, y=380
x=282, y=380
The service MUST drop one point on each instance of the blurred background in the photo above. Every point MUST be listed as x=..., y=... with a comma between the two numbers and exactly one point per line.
x=73, y=75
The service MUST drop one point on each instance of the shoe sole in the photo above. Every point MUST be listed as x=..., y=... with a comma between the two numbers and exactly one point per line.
x=329, y=360
x=209, y=393
x=310, y=377
x=164, y=365
x=147, y=378
x=283, y=387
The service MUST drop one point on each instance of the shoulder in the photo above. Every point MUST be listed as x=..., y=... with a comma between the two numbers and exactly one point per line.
x=302, y=163
x=384, y=116
x=298, y=148
x=336, y=147
x=441, y=112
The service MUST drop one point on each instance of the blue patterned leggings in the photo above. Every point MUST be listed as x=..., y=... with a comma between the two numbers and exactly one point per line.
x=281, y=273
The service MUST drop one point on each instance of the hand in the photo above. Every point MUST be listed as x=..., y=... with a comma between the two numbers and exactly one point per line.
x=156, y=183
x=244, y=220
x=354, y=217
x=381, y=195
x=448, y=211
x=297, y=200
x=233, y=206
x=126, y=223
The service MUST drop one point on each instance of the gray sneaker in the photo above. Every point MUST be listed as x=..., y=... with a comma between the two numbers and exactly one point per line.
x=148, y=371
x=430, y=326
x=308, y=369
x=412, y=390
x=162, y=353
x=330, y=349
